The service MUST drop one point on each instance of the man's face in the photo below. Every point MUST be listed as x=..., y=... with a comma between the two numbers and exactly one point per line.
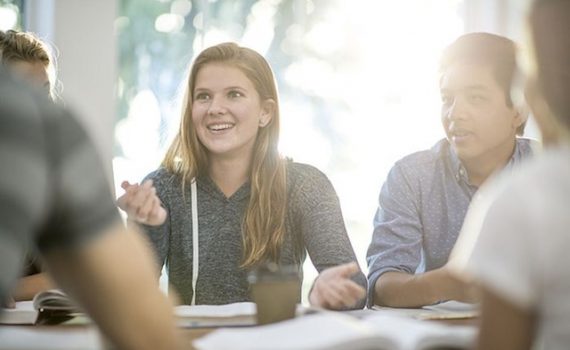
x=474, y=112
x=34, y=73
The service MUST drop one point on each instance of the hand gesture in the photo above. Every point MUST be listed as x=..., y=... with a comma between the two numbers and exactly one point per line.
x=334, y=289
x=141, y=203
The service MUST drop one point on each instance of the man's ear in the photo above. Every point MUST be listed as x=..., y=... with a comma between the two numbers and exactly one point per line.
x=267, y=111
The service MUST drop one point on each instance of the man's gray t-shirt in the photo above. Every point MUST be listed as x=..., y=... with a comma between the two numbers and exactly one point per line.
x=53, y=191
x=314, y=224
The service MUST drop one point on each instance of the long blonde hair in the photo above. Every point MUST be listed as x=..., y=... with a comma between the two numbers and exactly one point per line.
x=263, y=226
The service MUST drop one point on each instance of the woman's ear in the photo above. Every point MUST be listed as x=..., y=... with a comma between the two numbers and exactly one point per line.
x=522, y=113
x=267, y=111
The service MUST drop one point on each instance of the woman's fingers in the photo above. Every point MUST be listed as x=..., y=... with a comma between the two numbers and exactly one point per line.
x=334, y=289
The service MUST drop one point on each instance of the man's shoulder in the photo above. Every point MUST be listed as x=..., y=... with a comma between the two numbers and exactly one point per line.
x=425, y=160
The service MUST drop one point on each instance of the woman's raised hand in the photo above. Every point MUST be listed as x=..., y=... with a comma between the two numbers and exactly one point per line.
x=141, y=203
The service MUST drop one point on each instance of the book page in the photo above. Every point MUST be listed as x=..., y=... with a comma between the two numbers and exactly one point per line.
x=446, y=310
x=324, y=330
x=336, y=330
x=208, y=316
x=54, y=299
x=50, y=338
x=24, y=313
x=412, y=334
x=228, y=315
x=226, y=310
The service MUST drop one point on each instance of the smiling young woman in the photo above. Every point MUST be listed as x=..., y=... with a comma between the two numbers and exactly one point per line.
x=225, y=201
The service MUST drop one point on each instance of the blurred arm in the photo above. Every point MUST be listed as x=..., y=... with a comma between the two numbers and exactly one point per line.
x=399, y=289
x=113, y=278
x=29, y=286
x=505, y=326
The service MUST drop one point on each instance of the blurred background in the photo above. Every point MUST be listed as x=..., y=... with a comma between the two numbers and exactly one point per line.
x=358, y=79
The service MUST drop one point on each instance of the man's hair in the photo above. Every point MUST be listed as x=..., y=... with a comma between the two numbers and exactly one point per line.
x=22, y=46
x=488, y=49
x=27, y=47
x=550, y=27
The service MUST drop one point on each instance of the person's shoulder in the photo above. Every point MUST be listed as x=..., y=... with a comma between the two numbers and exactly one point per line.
x=425, y=160
x=301, y=172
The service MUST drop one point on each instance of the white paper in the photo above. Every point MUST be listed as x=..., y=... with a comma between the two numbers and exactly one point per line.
x=24, y=313
x=227, y=310
x=49, y=338
x=447, y=310
x=317, y=331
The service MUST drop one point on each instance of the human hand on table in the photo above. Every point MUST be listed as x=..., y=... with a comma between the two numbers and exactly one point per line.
x=333, y=288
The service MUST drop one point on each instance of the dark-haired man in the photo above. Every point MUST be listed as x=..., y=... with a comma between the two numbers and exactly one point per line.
x=424, y=200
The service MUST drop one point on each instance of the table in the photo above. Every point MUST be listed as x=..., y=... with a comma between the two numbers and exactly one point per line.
x=67, y=337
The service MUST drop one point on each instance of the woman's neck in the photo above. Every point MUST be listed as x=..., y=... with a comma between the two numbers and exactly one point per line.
x=229, y=174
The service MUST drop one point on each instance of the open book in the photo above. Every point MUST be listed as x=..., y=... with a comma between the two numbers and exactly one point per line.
x=48, y=307
x=333, y=330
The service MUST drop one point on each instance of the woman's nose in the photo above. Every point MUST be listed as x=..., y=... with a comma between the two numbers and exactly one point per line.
x=216, y=107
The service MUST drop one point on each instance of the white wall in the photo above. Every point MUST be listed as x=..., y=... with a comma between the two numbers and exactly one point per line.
x=82, y=31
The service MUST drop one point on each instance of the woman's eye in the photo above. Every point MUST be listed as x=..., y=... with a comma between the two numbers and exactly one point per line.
x=201, y=96
x=446, y=99
x=234, y=94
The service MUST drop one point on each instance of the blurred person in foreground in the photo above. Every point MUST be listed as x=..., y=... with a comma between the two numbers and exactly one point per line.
x=516, y=239
x=54, y=198
x=30, y=60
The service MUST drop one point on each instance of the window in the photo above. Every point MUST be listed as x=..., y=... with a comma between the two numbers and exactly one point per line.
x=10, y=14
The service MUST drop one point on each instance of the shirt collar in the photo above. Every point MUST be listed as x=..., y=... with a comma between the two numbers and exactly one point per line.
x=522, y=149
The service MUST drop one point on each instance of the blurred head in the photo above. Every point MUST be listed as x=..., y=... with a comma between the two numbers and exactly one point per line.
x=549, y=86
x=478, y=114
x=231, y=104
x=28, y=57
